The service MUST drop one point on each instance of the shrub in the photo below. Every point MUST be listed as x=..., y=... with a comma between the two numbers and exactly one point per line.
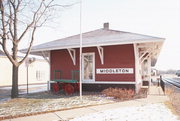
x=119, y=93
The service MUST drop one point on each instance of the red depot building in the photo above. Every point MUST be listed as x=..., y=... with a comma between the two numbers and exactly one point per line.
x=110, y=58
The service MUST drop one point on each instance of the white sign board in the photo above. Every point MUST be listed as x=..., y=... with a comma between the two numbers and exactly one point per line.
x=114, y=71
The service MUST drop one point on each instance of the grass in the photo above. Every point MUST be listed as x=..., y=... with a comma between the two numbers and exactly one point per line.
x=33, y=104
x=46, y=101
x=174, y=96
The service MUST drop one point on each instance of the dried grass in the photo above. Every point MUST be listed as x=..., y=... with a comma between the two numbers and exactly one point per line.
x=45, y=102
x=119, y=93
x=174, y=97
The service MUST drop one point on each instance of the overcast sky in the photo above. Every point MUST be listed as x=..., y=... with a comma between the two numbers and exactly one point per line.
x=159, y=18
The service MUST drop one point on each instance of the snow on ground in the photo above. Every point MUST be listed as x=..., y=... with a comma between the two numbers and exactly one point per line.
x=151, y=112
x=47, y=101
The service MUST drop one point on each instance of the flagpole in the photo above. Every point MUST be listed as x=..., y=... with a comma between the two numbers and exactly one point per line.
x=80, y=53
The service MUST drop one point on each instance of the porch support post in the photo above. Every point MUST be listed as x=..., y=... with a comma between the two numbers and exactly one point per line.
x=49, y=84
x=149, y=70
x=72, y=53
x=136, y=71
x=101, y=54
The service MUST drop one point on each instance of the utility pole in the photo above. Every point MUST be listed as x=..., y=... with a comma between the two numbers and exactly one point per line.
x=80, y=53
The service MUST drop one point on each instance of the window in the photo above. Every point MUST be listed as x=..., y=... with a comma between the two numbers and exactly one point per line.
x=40, y=75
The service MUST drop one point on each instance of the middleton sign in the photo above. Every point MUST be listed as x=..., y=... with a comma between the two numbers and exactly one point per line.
x=114, y=71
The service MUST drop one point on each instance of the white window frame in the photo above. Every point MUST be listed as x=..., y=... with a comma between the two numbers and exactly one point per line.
x=84, y=54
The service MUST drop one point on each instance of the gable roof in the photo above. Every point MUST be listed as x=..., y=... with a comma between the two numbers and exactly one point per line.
x=99, y=37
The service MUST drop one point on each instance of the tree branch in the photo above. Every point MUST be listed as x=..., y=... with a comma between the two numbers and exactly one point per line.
x=18, y=4
x=64, y=6
x=43, y=12
x=10, y=21
x=8, y=55
x=33, y=21
x=2, y=18
x=4, y=34
x=15, y=24
x=13, y=4
x=30, y=46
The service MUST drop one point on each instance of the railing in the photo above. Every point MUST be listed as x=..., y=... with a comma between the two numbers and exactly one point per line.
x=167, y=81
x=162, y=84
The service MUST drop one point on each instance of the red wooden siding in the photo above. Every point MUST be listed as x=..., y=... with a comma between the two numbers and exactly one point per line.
x=118, y=56
x=121, y=56
x=61, y=60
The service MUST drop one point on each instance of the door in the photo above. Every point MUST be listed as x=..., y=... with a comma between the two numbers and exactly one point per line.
x=88, y=66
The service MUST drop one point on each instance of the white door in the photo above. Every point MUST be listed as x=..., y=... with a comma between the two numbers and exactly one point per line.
x=88, y=65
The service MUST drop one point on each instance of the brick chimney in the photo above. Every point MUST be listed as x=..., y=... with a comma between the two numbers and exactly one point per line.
x=106, y=26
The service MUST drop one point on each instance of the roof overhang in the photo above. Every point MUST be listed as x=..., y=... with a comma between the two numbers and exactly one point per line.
x=40, y=50
x=150, y=50
x=97, y=38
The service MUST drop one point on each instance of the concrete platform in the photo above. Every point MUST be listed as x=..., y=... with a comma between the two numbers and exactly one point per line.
x=155, y=90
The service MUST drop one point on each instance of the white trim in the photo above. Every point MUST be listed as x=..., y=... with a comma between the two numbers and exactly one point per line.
x=144, y=53
x=93, y=54
x=101, y=54
x=144, y=45
x=114, y=71
x=136, y=59
x=49, y=86
x=149, y=70
x=100, y=44
x=105, y=82
x=72, y=53
x=108, y=82
x=145, y=58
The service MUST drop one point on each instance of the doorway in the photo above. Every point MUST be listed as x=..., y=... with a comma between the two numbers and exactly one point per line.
x=88, y=67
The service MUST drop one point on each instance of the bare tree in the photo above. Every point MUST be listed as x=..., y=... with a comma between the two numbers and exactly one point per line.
x=17, y=18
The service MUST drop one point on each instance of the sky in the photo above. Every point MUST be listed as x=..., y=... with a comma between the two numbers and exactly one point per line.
x=160, y=18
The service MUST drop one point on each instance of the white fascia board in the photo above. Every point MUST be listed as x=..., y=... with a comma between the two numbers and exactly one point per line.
x=99, y=44
x=108, y=82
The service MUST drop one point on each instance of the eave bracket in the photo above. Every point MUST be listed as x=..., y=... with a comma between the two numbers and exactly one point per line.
x=45, y=55
x=72, y=53
x=101, y=54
